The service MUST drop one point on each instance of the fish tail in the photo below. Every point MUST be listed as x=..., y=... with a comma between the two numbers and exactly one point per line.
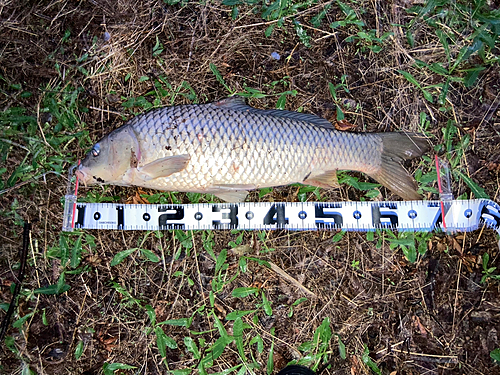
x=398, y=147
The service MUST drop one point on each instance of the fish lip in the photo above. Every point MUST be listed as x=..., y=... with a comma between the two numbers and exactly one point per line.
x=82, y=175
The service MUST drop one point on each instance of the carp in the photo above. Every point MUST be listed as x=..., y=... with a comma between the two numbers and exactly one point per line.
x=227, y=148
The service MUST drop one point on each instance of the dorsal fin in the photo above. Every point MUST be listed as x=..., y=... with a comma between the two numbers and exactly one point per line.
x=237, y=103
x=233, y=102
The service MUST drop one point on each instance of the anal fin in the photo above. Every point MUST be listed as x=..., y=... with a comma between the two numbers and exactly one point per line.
x=230, y=192
x=232, y=196
x=326, y=179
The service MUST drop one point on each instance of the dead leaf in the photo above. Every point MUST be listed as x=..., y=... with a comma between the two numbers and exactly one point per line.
x=344, y=125
x=469, y=261
x=242, y=250
x=109, y=342
x=441, y=247
x=220, y=309
x=279, y=360
x=160, y=310
x=420, y=326
x=355, y=365
x=93, y=260
x=137, y=198
x=348, y=103
x=457, y=246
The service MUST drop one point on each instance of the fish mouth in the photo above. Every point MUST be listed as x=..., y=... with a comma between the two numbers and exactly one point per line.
x=83, y=176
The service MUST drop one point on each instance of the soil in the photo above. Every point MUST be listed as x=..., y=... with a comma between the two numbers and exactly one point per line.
x=430, y=317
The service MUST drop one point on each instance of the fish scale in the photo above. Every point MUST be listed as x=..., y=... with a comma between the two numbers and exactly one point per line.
x=228, y=146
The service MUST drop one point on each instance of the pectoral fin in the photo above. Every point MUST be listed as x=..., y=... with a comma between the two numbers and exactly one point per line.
x=164, y=167
x=327, y=179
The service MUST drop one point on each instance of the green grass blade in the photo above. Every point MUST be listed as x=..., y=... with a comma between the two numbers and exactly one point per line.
x=219, y=77
x=119, y=257
x=409, y=77
x=475, y=188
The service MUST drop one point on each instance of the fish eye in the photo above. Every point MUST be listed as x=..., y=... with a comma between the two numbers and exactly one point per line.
x=96, y=150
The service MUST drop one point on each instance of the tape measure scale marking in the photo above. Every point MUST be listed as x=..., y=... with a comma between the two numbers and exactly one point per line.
x=459, y=215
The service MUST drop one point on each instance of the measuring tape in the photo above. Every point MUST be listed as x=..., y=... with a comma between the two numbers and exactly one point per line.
x=445, y=214
x=449, y=216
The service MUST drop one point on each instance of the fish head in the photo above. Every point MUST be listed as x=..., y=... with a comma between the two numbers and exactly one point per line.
x=110, y=158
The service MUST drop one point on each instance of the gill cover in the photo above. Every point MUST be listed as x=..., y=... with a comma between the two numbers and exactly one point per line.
x=110, y=158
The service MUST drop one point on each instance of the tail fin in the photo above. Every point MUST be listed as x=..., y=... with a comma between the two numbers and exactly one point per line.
x=396, y=148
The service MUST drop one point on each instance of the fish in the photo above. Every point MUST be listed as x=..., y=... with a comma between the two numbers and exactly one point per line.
x=227, y=148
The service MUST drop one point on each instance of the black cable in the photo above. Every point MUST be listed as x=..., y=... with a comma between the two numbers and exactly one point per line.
x=20, y=277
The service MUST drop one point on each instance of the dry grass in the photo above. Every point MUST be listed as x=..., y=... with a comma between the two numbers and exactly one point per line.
x=431, y=317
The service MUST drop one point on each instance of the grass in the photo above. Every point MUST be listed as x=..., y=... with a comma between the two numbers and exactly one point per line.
x=212, y=302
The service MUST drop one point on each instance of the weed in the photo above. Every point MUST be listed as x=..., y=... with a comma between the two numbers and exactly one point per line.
x=410, y=243
x=12, y=214
x=366, y=39
x=127, y=299
x=370, y=362
x=110, y=368
x=239, y=239
x=182, y=3
x=162, y=197
x=277, y=12
x=455, y=152
x=220, y=273
x=369, y=187
x=200, y=350
x=158, y=47
x=426, y=180
x=495, y=355
x=185, y=239
x=295, y=304
x=148, y=254
x=351, y=18
x=262, y=237
x=207, y=239
x=162, y=91
x=305, y=190
x=488, y=271
x=250, y=92
x=270, y=358
x=453, y=148
x=80, y=347
x=58, y=288
x=43, y=147
x=264, y=191
x=245, y=292
x=182, y=274
x=342, y=351
x=338, y=236
x=316, y=352
x=467, y=27
x=425, y=90
x=355, y=265
x=333, y=92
